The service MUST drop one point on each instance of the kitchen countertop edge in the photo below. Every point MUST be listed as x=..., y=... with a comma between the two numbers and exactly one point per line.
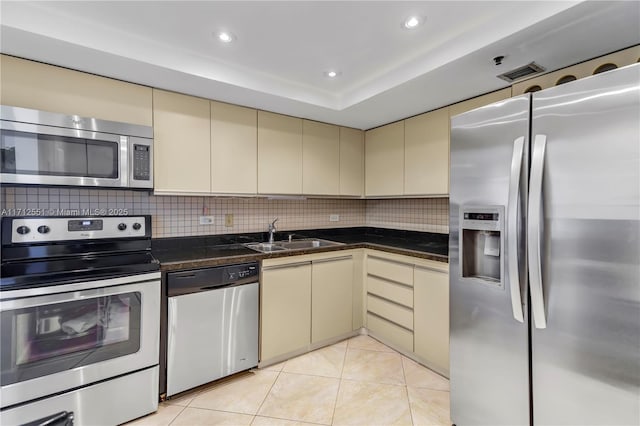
x=226, y=260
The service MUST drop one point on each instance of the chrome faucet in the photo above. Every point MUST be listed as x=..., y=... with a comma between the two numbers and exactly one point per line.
x=272, y=230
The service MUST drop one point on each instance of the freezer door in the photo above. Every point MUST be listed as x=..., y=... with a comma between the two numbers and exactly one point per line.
x=586, y=362
x=489, y=345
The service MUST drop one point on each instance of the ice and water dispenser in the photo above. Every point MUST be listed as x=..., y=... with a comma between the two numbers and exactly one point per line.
x=482, y=244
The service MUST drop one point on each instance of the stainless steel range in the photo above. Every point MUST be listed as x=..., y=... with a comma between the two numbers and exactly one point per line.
x=79, y=319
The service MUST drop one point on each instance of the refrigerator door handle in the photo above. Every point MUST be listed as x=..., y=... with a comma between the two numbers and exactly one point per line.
x=534, y=231
x=512, y=229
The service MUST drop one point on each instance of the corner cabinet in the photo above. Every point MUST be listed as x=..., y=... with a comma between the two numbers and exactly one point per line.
x=181, y=155
x=351, y=162
x=407, y=305
x=35, y=85
x=234, y=142
x=384, y=160
x=279, y=154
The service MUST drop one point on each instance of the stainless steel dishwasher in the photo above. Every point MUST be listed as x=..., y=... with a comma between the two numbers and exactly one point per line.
x=212, y=324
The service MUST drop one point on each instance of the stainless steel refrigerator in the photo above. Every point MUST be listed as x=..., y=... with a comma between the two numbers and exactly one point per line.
x=544, y=256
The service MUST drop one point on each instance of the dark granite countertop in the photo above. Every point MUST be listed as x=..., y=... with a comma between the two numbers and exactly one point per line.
x=196, y=252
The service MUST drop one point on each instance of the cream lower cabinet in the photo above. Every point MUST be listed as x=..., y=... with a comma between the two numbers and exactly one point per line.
x=285, y=308
x=390, y=300
x=306, y=300
x=431, y=316
x=331, y=297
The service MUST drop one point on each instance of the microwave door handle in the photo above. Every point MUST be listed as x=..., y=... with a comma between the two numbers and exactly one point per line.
x=125, y=162
x=512, y=229
x=534, y=236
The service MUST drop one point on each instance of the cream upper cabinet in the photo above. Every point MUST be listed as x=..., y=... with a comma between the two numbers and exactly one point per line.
x=181, y=155
x=431, y=317
x=331, y=297
x=279, y=154
x=285, y=310
x=234, y=149
x=426, y=153
x=581, y=70
x=351, y=162
x=34, y=85
x=320, y=158
x=489, y=98
x=384, y=160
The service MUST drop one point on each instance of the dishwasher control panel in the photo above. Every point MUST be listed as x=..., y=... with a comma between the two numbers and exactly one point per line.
x=236, y=272
x=205, y=279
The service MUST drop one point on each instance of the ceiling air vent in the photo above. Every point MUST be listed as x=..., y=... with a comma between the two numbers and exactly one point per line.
x=519, y=73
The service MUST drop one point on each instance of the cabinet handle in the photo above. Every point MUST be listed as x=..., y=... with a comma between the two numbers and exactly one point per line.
x=333, y=259
x=287, y=265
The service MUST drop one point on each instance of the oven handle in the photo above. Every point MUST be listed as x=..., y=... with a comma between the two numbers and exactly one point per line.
x=82, y=286
x=50, y=299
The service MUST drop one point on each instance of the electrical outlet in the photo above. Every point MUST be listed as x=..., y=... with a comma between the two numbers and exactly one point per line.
x=228, y=220
x=206, y=220
x=334, y=217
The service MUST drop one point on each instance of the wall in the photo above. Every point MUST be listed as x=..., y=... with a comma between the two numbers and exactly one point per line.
x=175, y=216
x=419, y=214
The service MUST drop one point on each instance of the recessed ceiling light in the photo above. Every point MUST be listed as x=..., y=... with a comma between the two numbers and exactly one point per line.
x=226, y=37
x=332, y=73
x=412, y=22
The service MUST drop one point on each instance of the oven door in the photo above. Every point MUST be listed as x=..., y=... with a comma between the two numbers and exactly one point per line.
x=67, y=336
x=48, y=155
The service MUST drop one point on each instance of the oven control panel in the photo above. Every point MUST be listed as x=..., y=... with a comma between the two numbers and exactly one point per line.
x=47, y=229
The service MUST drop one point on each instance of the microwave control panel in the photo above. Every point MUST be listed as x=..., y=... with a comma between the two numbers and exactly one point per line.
x=141, y=162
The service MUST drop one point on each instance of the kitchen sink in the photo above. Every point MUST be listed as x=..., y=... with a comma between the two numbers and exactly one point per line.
x=306, y=243
x=265, y=247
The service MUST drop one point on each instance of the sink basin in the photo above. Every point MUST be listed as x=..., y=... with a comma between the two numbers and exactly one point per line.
x=265, y=247
x=307, y=243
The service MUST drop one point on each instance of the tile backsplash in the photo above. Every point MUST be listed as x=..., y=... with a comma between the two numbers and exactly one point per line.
x=175, y=216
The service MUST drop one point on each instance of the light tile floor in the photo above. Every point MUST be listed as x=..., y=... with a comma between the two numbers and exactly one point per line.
x=358, y=381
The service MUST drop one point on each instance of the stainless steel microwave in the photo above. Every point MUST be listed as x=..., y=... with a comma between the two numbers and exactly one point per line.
x=44, y=148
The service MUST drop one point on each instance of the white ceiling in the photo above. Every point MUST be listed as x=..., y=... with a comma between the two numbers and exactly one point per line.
x=282, y=49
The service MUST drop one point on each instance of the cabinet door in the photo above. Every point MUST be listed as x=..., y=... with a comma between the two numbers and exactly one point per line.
x=479, y=101
x=431, y=317
x=181, y=131
x=351, y=162
x=320, y=158
x=384, y=160
x=285, y=309
x=426, y=154
x=29, y=84
x=279, y=154
x=331, y=298
x=234, y=149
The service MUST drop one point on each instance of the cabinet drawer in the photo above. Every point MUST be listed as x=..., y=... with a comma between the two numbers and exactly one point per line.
x=389, y=290
x=395, y=313
x=392, y=333
x=394, y=271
